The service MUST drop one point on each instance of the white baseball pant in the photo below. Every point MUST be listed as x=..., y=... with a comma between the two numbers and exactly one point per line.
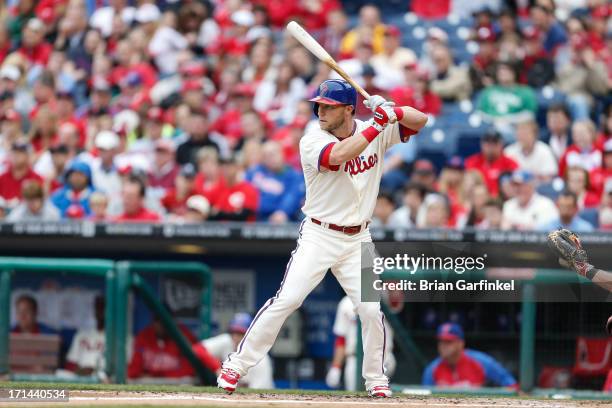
x=318, y=249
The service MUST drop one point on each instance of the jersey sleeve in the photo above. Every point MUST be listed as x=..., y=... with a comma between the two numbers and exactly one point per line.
x=494, y=371
x=396, y=133
x=315, y=150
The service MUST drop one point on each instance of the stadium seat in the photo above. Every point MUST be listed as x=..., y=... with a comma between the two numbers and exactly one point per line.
x=468, y=143
x=550, y=190
x=438, y=158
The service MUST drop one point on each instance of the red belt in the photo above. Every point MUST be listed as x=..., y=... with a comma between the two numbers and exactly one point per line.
x=355, y=229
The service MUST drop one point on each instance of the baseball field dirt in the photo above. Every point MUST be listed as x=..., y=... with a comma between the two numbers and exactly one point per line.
x=83, y=395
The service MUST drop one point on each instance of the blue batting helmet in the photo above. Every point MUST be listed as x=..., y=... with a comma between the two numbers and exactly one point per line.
x=334, y=92
x=240, y=323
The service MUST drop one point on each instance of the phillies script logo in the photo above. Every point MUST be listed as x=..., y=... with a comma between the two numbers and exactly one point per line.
x=360, y=164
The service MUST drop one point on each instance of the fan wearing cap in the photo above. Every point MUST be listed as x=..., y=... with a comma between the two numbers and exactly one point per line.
x=197, y=128
x=175, y=199
x=599, y=176
x=482, y=69
x=459, y=367
x=105, y=172
x=537, y=68
x=240, y=102
x=17, y=172
x=260, y=376
x=238, y=200
x=528, y=209
x=77, y=189
x=33, y=45
x=491, y=161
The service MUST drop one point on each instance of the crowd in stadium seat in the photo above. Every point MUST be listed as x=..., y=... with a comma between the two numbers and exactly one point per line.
x=142, y=111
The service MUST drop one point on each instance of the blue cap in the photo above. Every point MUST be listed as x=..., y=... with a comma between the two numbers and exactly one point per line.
x=450, y=331
x=522, y=176
x=334, y=92
x=240, y=323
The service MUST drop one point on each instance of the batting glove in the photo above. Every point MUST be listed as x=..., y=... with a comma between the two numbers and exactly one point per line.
x=375, y=101
x=332, y=379
x=382, y=116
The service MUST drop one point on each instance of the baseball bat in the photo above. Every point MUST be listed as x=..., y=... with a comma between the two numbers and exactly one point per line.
x=314, y=47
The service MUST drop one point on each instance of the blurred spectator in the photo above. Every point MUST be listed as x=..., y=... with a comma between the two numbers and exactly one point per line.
x=17, y=172
x=583, y=152
x=278, y=97
x=281, y=188
x=599, y=176
x=543, y=18
x=133, y=194
x=606, y=128
x=105, y=173
x=577, y=181
x=209, y=180
x=418, y=94
x=103, y=18
x=482, y=69
x=435, y=212
x=506, y=103
x=383, y=210
x=459, y=367
x=86, y=353
x=166, y=42
x=76, y=191
x=557, y=133
x=164, y=170
x=392, y=60
x=605, y=212
x=424, y=173
x=238, y=200
x=580, y=74
x=156, y=354
x=198, y=210
x=537, y=68
x=184, y=186
x=491, y=162
x=33, y=45
x=10, y=132
x=34, y=207
x=528, y=209
x=98, y=203
x=26, y=311
x=532, y=154
x=493, y=215
x=260, y=375
x=370, y=28
x=477, y=201
x=567, y=203
x=450, y=82
x=197, y=129
x=336, y=29
x=406, y=215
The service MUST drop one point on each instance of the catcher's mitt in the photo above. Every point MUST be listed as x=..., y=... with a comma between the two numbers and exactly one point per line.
x=568, y=248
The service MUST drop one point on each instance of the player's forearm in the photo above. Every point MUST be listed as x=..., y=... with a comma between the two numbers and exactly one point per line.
x=412, y=118
x=339, y=355
x=602, y=278
x=347, y=149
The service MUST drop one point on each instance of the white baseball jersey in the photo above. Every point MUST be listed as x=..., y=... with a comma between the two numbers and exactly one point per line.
x=346, y=194
x=343, y=195
x=259, y=377
x=87, y=349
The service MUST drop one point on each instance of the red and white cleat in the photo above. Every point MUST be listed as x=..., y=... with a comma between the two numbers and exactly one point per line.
x=380, y=391
x=228, y=380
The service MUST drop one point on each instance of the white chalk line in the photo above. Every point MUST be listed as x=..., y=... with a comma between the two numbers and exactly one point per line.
x=402, y=402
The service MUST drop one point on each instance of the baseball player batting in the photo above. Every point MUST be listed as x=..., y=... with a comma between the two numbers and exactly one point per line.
x=342, y=162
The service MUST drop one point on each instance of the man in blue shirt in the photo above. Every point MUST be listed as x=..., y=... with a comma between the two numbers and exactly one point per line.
x=567, y=203
x=281, y=188
x=544, y=20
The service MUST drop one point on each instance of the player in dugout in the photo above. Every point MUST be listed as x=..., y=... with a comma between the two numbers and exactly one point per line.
x=459, y=367
x=568, y=247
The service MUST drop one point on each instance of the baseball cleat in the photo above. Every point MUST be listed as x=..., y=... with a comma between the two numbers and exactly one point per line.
x=228, y=380
x=380, y=391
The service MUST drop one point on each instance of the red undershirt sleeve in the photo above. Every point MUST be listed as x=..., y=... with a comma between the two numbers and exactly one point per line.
x=324, y=158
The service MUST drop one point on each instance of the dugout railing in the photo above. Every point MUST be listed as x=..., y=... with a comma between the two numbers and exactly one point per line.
x=120, y=279
x=528, y=285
